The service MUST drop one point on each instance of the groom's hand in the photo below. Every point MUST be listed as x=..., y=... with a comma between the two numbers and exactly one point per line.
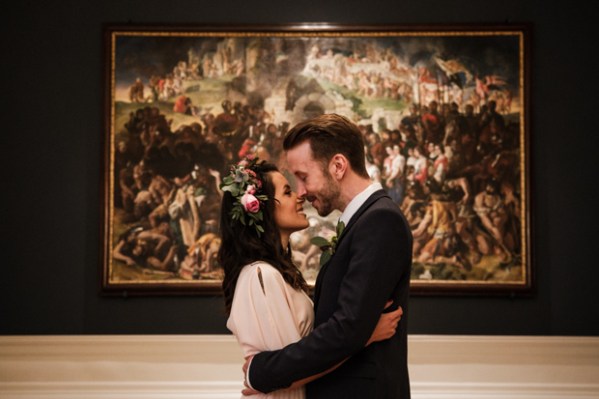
x=249, y=392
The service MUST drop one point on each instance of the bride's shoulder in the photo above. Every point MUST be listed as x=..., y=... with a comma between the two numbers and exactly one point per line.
x=261, y=266
x=262, y=269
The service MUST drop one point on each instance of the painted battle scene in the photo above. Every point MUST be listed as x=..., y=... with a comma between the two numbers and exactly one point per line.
x=442, y=120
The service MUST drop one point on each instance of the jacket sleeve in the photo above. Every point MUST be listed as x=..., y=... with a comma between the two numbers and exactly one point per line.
x=376, y=248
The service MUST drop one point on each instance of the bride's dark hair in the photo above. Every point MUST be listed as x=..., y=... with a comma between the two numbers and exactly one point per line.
x=241, y=244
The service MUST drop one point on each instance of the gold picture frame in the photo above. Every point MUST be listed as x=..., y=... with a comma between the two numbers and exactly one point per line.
x=182, y=103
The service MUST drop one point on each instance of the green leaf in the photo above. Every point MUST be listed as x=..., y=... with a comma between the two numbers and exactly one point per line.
x=340, y=228
x=320, y=242
x=324, y=258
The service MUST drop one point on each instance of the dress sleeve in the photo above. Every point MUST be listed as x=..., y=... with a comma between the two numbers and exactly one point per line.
x=263, y=312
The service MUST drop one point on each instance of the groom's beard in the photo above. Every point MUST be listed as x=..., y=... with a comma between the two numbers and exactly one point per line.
x=328, y=199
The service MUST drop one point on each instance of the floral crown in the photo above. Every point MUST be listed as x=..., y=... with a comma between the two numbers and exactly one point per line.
x=244, y=185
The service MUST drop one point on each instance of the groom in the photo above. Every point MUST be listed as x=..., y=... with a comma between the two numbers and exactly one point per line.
x=371, y=264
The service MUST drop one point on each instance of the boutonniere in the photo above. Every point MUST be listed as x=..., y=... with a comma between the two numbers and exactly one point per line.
x=328, y=246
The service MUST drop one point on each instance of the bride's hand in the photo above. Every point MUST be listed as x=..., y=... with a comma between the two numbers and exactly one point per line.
x=387, y=325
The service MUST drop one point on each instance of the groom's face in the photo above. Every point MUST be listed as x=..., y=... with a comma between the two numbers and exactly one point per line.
x=313, y=180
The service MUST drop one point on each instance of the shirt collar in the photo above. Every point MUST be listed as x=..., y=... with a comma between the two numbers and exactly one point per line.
x=358, y=201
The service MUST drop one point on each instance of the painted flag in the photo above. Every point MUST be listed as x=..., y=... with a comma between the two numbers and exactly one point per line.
x=454, y=67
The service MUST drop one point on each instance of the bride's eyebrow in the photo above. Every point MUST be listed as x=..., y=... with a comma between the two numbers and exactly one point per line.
x=286, y=188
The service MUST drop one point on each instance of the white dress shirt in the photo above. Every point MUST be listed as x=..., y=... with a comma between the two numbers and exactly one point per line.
x=358, y=201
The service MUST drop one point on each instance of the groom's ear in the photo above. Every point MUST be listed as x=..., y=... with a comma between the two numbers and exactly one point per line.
x=338, y=166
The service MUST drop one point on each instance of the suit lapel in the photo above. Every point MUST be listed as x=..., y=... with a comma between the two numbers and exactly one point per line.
x=367, y=204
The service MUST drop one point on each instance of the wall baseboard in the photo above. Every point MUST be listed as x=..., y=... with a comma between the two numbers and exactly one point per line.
x=209, y=366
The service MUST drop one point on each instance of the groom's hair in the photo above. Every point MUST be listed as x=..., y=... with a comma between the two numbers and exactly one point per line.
x=328, y=135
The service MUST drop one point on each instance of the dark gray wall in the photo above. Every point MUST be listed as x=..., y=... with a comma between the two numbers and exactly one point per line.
x=51, y=145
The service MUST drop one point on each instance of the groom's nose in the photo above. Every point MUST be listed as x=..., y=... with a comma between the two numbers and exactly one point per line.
x=301, y=190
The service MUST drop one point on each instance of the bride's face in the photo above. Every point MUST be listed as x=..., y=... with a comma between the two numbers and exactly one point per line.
x=289, y=209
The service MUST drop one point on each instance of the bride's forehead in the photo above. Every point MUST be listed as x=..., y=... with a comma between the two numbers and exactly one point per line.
x=279, y=180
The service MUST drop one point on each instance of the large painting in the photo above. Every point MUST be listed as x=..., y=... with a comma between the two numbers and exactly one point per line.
x=444, y=112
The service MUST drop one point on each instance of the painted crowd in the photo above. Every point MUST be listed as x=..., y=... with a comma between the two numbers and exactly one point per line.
x=449, y=157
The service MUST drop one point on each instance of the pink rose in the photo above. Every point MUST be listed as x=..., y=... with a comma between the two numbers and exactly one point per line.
x=250, y=189
x=250, y=203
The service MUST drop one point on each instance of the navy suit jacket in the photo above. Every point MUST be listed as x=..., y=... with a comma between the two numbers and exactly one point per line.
x=371, y=265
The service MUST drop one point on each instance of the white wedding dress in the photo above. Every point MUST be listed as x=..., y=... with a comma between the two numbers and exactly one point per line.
x=268, y=314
